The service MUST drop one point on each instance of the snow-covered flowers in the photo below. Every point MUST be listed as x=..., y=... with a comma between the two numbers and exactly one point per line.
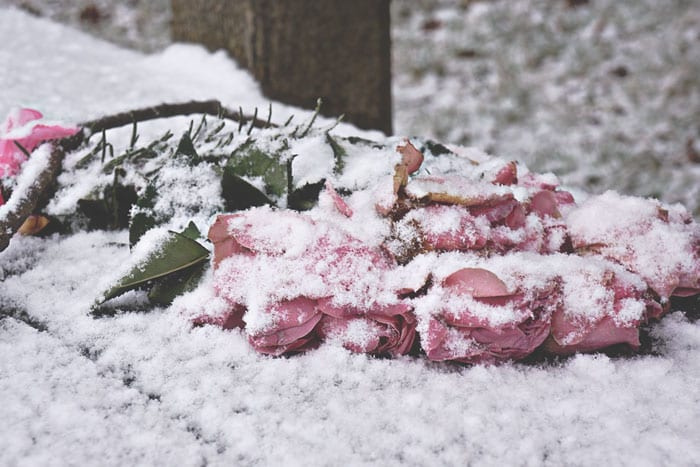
x=475, y=317
x=294, y=282
x=483, y=267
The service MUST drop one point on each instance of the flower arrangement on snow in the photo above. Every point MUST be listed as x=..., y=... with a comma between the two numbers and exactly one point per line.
x=458, y=255
x=477, y=267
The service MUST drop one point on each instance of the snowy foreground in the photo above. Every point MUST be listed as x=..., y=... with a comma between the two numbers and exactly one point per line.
x=148, y=389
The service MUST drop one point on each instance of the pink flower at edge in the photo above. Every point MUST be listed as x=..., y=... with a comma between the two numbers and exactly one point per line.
x=17, y=128
x=621, y=309
x=468, y=338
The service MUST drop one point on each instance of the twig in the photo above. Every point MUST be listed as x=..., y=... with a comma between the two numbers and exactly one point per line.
x=14, y=219
x=213, y=108
x=26, y=205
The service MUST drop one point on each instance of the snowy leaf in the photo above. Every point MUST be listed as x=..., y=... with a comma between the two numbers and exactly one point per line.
x=239, y=194
x=186, y=148
x=176, y=254
x=251, y=161
x=165, y=290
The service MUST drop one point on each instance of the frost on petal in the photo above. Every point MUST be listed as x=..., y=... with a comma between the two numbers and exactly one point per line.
x=379, y=330
x=602, y=305
x=479, y=320
x=12, y=133
x=660, y=243
x=292, y=330
x=18, y=118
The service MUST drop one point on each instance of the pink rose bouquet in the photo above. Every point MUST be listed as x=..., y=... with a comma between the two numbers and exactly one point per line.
x=485, y=266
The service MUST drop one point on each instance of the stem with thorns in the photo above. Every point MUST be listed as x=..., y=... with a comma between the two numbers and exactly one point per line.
x=13, y=219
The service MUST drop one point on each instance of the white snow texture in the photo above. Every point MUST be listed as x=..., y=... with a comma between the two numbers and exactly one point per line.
x=149, y=389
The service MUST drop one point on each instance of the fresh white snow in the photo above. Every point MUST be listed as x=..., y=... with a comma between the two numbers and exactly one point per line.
x=149, y=389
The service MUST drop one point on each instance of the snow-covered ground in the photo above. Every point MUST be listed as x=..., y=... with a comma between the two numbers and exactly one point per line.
x=148, y=389
x=605, y=94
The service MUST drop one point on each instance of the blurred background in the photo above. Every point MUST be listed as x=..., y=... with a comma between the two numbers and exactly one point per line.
x=605, y=93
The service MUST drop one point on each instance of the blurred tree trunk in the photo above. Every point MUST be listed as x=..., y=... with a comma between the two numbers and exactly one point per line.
x=299, y=50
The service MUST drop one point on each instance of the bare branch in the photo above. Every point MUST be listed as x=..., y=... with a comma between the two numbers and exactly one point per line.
x=23, y=208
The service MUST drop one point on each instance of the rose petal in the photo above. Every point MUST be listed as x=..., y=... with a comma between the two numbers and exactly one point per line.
x=476, y=282
x=45, y=132
x=18, y=118
x=338, y=201
x=544, y=203
x=411, y=157
x=508, y=175
x=230, y=320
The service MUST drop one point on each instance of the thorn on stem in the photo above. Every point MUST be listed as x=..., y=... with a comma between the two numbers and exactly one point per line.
x=252, y=121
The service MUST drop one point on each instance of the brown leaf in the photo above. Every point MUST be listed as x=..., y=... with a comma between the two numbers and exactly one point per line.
x=411, y=157
x=33, y=225
x=400, y=177
x=447, y=198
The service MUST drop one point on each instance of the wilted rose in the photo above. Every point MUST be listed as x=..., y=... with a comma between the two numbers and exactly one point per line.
x=18, y=129
x=602, y=305
x=483, y=321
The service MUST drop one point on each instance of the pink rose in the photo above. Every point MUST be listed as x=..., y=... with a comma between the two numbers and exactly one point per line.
x=469, y=212
x=379, y=330
x=660, y=243
x=292, y=329
x=481, y=320
x=292, y=282
x=602, y=305
x=18, y=128
x=266, y=251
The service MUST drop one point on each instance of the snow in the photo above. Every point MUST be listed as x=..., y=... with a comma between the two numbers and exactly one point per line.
x=604, y=94
x=149, y=389
x=26, y=179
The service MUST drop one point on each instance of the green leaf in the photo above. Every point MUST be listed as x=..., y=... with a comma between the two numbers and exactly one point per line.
x=166, y=289
x=114, y=163
x=251, y=161
x=141, y=222
x=144, y=219
x=191, y=231
x=435, y=148
x=177, y=253
x=339, y=154
x=97, y=212
x=239, y=194
x=186, y=148
x=110, y=209
x=305, y=197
